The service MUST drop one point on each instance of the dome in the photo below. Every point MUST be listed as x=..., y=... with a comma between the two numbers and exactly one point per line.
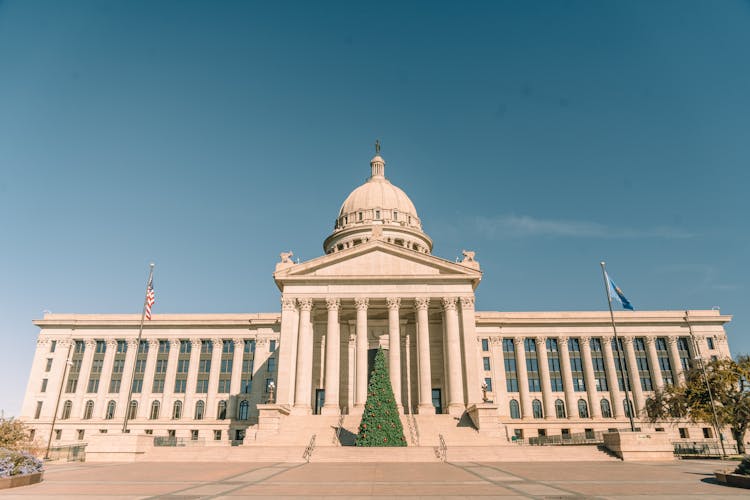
x=377, y=202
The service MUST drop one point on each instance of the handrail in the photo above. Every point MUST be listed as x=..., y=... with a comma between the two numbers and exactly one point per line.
x=442, y=450
x=307, y=455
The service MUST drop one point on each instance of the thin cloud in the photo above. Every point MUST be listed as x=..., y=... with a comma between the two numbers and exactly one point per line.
x=525, y=226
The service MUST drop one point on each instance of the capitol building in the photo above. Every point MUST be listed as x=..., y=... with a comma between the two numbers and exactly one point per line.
x=458, y=374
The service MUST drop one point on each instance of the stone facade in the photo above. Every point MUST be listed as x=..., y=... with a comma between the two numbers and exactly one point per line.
x=202, y=376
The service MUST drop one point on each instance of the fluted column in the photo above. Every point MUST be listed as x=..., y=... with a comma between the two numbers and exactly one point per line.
x=127, y=377
x=471, y=353
x=83, y=376
x=571, y=405
x=595, y=410
x=109, y=361
x=360, y=397
x=148, y=374
x=287, y=353
x=195, y=359
x=635, y=380
x=547, y=398
x=500, y=386
x=523, y=378
x=302, y=393
x=453, y=349
x=237, y=358
x=169, y=379
x=657, y=379
x=213, y=377
x=674, y=353
x=423, y=356
x=615, y=395
x=394, y=348
x=333, y=359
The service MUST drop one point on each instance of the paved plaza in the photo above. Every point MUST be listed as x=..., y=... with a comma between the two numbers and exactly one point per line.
x=406, y=480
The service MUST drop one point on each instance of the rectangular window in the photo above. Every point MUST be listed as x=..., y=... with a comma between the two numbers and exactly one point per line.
x=247, y=366
x=140, y=366
x=684, y=433
x=194, y=435
x=96, y=365
x=185, y=346
x=53, y=346
x=71, y=385
x=137, y=385
x=142, y=347
x=44, y=385
x=224, y=385
x=202, y=385
x=227, y=347
x=226, y=366
x=114, y=385
x=38, y=410
x=81, y=433
x=49, y=365
x=93, y=385
x=246, y=385
x=118, y=366
x=179, y=386
x=206, y=347
x=183, y=365
x=164, y=347
x=204, y=365
x=161, y=366
x=217, y=435
x=272, y=346
x=509, y=363
x=122, y=347
x=271, y=364
x=576, y=364
x=250, y=346
x=58, y=434
x=101, y=347
x=710, y=342
x=158, y=385
x=486, y=364
x=488, y=382
x=708, y=433
x=485, y=345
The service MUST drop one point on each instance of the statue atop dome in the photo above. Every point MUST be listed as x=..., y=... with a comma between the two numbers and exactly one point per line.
x=377, y=147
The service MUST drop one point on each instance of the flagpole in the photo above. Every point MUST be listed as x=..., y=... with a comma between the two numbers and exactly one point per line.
x=137, y=348
x=625, y=372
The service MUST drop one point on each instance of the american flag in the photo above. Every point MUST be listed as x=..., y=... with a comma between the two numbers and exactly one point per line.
x=150, y=299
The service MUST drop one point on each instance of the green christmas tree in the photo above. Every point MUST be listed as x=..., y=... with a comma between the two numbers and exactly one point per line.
x=380, y=425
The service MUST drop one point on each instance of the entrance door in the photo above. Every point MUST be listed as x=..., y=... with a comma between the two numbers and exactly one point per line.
x=436, y=401
x=320, y=397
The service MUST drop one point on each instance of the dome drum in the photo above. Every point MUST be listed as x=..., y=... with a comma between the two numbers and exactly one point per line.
x=401, y=236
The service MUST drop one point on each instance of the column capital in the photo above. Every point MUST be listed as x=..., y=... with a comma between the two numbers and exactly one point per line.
x=650, y=341
x=65, y=342
x=518, y=341
x=422, y=303
x=607, y=339
x=467, y=302
x=217, y=341
x=627, y=341
x=562, y=340
x=393, y=303
x=449, y=303
x=111, y=342
x=238, y=341
x=333, y=303
x=194, y=343
x=585, y=341
x=288, y=304
x=43, y=341
x=153, y=343
x=305, y=303
x=672, y=341
x=133, y=342
x=90, y=343
x=361, y=303
x=541, y=341
x=496, y=340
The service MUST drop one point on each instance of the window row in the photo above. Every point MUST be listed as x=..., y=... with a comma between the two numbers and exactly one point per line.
x=537, y=410
x=199, y=413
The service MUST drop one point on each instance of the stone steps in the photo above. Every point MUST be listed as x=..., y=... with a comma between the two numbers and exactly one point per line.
x=525, y=453
x=352, y=454
x=291, y=454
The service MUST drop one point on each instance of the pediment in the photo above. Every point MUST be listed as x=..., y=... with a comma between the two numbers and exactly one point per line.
x=377, y=260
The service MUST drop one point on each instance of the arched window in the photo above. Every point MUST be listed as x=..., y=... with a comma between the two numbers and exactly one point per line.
x=88, y=412
x=606, y=409
x=559, y=408
x=221, y=413
x=536, y=409
x=177, y=410
x=133, y=410
x=154, y=410
x=243, y=411
x=583, y=409
x=628, y=407
x=110, y=410
x=515, y=412
x=200, y=406
x=66, y=410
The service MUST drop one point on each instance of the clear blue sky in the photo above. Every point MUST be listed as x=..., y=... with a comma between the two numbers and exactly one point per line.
x=210, y=136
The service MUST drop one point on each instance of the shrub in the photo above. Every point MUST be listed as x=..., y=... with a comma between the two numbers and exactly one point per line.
x=15, y=463
x=744, y=467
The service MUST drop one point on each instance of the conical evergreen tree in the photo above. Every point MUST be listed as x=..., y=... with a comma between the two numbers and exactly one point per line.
x=380, y=425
